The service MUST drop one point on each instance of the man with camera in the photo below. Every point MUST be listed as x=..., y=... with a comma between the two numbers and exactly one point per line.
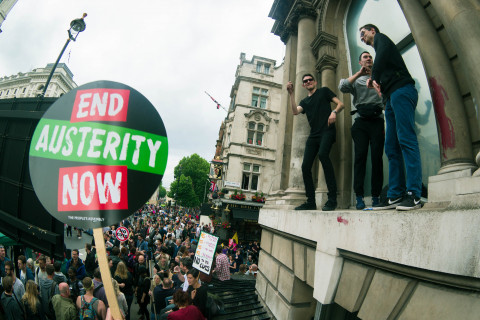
x=368, y=129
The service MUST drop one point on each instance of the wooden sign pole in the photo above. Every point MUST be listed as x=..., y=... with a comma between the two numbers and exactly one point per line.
x=106, y=275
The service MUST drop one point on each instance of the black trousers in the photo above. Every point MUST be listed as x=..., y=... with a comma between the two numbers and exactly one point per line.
x=320, y=146
x=364, y=133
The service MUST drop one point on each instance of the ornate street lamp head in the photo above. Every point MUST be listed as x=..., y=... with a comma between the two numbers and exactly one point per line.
x=76, y=26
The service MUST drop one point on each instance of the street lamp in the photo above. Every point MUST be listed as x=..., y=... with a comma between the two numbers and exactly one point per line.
x=76, y=26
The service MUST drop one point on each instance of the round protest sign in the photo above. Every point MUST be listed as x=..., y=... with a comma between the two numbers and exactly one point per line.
x=122, y=234
x=98, y=153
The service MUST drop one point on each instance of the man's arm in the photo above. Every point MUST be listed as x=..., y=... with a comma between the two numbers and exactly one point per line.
x=339, y=107
x=295, y=109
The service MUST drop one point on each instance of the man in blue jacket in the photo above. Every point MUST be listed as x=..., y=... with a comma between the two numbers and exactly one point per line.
x=391, y=79
x=77, y=263
x=25, y=273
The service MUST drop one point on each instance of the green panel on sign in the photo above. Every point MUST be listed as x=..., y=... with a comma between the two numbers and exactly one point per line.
x=97, y=143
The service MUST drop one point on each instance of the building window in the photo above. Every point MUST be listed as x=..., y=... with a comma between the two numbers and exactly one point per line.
x=259, y=67
x=24, y=89
x=259, y=98
x=255, y=133
x=251, y=175
x=232, y=104
x=266, y=69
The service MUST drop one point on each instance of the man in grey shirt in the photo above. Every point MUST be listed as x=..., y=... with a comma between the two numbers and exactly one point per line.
x=368, y=129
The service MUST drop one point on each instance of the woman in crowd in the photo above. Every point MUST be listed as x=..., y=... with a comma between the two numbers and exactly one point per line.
x=185, y=310
x=84, y=300
x=233, y=264
x=122, y=302
x=198, y=292
x=125, y=283
x=31, y=303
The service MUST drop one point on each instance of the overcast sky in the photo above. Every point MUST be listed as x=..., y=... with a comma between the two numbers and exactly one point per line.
x=171, y=51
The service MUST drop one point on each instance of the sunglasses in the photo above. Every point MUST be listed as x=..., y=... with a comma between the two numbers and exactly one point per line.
x=308, y=80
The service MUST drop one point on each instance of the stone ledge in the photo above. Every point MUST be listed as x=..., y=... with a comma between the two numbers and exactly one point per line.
x=444, y=241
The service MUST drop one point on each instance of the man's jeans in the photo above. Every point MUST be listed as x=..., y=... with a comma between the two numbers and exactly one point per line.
x=320, y=146
x=401, y=144
x=367, y=132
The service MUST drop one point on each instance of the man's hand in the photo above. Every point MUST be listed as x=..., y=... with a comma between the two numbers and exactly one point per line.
x=364, y=71
x=373, y=84
x=377, y=88
x=290, y=87
x=369, y=83
x=332, y=118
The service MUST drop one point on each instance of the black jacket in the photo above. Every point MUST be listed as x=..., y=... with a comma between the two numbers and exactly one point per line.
x=389, y=69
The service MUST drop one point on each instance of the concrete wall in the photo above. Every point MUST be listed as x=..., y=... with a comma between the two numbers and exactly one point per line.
x=285, y=277
x=304, y=257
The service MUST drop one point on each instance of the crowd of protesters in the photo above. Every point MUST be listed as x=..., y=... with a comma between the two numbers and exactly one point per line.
x=161, y=243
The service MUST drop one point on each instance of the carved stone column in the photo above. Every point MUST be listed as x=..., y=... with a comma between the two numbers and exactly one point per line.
x=304, y=13
x=452, y=125
x=325, y=47
x=284, y=138
x=461, y=20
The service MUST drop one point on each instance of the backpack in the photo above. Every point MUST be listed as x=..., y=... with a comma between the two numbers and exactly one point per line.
x=87, y=309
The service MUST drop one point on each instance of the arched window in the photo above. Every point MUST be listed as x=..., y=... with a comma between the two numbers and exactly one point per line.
x=255, y=133
x=389, y=18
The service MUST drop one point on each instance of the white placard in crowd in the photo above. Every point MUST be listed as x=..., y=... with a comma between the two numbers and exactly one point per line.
x=205, y=252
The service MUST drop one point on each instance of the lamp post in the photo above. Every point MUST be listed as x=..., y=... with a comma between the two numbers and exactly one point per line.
x=205, y=191
x=76, y=26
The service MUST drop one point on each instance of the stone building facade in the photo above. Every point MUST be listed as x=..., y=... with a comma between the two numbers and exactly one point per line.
x=5, y=7
x=31, y=84
x=348, y=264
x=250, y=130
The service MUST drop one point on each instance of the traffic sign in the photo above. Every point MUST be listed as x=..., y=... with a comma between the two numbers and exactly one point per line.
x=122, y=234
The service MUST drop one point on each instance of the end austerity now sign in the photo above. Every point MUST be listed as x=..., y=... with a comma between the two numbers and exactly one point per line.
x=97, y=154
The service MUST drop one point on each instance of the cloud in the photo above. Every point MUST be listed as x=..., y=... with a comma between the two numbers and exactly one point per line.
x=170, y=51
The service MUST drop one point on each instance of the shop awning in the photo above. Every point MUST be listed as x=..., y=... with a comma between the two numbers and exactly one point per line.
x=6, y=241
x=245, y=214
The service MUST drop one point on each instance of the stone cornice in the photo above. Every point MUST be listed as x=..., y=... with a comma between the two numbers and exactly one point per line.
x=257, y=81
x=300, y=9
x=261, y=113
x=244, y=156
x=326, y=62
x=324, y=47
x=256, y=108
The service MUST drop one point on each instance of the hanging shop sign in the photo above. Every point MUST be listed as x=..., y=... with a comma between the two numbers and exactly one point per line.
x=97, y=154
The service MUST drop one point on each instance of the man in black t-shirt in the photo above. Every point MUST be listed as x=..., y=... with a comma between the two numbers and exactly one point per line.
x=322, y=136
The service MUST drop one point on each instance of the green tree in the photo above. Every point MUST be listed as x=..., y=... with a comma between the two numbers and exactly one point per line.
x=182, y=191
x=196, y=168
x=162, y=192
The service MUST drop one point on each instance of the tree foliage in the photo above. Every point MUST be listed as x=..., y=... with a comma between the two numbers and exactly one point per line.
x=162, y=192
x=196, y=168
x=182, y=190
